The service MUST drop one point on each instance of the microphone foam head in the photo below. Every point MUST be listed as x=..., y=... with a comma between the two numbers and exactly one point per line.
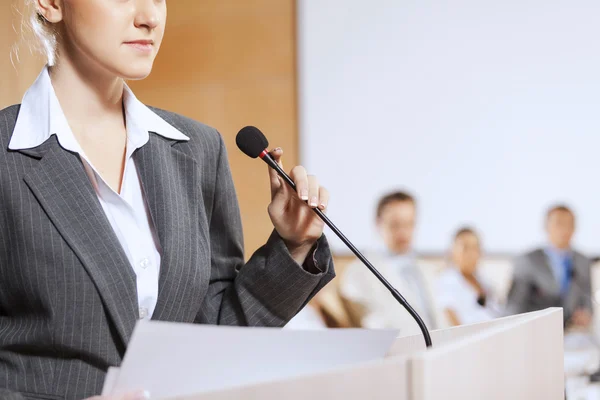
x=251, y=141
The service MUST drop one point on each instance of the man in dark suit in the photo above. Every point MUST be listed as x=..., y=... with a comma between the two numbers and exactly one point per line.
x=554, y=276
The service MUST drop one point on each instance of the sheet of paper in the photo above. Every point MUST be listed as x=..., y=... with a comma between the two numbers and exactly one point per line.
x=109, y=381
x=171, y=359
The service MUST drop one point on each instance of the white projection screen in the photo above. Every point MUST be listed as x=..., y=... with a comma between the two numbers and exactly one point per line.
x=488, y=111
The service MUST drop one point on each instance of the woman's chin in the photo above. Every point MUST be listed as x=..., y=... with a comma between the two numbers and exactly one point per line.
x=133, y=72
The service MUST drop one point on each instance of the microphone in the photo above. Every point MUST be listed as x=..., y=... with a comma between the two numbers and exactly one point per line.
x=253, y=143
x=482, y=300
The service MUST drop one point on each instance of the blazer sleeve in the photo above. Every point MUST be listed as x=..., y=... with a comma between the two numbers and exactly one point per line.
x=584, y=285
x=8, y=395
x=520, y=290
x=271, y=287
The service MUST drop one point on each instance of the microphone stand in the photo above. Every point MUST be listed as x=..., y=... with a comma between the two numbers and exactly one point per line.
x=266, y=157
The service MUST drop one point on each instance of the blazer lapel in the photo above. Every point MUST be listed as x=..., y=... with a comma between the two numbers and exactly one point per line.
x=575, y=292
x=63, y=189
x=547, y=278
x=171, y=184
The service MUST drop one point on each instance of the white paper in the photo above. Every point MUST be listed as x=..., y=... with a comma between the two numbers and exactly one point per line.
x=172, y=359
x=109, y=382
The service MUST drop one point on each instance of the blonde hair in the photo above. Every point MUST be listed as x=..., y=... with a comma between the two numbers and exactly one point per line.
x=36, y=32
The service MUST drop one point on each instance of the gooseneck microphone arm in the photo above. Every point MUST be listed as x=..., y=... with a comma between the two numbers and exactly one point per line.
x=266, y=157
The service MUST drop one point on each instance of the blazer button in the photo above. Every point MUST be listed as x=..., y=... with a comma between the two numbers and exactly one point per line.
x=143, y=312
x=145, y=263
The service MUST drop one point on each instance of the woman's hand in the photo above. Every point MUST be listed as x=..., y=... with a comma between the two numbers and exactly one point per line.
x=138, y=395
x=294, y=220
x=581, y=318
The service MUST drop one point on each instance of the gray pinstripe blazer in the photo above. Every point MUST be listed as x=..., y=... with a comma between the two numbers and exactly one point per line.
x=68, y=300
x=534, y=286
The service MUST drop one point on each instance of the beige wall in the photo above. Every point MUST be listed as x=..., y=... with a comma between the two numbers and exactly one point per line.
x=17, y=68
x=227, y=63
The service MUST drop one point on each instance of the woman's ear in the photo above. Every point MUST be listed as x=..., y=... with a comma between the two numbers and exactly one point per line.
x=50, y=10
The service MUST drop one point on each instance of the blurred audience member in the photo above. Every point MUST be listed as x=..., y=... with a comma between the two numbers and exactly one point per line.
x=323, y=311
x=554, y=276
x=460, y=292
x=309, y=318
x=371, y=303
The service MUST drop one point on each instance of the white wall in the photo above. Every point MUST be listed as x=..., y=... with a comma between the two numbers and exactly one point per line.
x=488, y=110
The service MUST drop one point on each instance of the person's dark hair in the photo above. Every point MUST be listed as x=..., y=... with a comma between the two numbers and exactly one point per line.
x=559, y=207
x=465, y=230
x=398, y=196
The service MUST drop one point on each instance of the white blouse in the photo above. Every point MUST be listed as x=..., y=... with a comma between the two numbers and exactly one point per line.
x=41, y=116
x=455, y=293
x=307, y=319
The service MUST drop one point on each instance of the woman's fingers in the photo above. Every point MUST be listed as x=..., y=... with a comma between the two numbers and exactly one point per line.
x=313, y=191
x=323, y=198
x=300, y=178
x=273, y=176
x=307, y=186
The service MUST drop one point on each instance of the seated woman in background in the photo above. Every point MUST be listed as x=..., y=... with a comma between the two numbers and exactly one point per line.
x=461, y=294
x=325, y=310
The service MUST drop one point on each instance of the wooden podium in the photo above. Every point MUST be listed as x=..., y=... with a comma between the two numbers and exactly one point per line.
x=516, y=358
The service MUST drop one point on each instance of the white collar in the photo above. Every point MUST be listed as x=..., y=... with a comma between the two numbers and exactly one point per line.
x=404, y=260
x=409, y=255
x=41, y=116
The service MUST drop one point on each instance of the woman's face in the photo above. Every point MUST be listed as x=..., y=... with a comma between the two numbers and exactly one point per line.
x=466, y=252
x=121, y=37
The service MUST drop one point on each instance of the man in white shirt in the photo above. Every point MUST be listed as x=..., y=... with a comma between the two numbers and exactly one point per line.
x=375, y=306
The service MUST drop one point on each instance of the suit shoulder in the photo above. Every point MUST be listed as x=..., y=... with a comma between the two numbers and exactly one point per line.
x=531, y=255
x=8, y=120
x=582, y=258
x=527, y=260
x=10, y=111
x=189, y=127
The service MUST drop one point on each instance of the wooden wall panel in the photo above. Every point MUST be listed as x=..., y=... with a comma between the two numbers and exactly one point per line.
x=227, y=63
x=18, y=65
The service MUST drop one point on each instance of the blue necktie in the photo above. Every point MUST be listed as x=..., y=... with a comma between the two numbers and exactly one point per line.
x=567, y=264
